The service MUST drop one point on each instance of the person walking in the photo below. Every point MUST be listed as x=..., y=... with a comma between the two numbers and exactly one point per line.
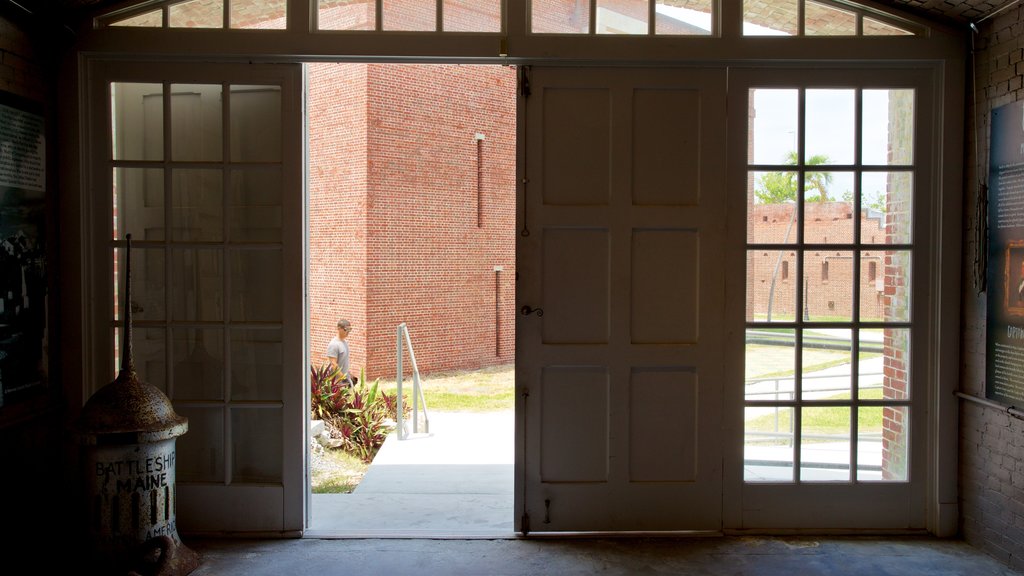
x=337, y=351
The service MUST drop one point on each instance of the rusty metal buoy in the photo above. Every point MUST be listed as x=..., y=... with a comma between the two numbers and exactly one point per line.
x=128, y=429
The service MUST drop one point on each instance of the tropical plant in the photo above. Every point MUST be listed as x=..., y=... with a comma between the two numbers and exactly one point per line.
x=780, y=187
x=359, y=415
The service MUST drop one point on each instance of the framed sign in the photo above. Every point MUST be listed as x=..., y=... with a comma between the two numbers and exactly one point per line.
x=1004, y=360
x=23, y=279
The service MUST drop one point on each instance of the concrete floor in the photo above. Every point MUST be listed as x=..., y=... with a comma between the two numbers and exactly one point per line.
x=734, y=556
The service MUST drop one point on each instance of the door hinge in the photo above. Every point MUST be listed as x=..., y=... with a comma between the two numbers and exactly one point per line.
x=524, y=81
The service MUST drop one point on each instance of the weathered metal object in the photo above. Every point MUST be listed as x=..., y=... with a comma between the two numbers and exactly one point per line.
x=129, y=428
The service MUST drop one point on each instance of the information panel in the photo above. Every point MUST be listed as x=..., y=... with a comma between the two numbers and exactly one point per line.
x=1005, y=342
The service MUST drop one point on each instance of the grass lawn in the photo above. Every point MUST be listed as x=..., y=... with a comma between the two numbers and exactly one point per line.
x=825, y=419
x=489, y=389
x=335, y=472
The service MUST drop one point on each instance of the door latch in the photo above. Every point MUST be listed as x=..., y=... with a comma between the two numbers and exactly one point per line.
x=526, y=310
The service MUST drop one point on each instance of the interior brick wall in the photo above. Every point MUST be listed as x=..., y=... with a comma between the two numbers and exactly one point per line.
x=991, y=442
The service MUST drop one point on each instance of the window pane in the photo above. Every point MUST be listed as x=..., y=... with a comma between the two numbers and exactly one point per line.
x=770, y=364
x=347, y=15
x=255, y=205
x=888, y=127
x=824, y=20
x=154, y=19
x=197, y=205
x=773, y=127
x=829, y=127
x=138, y=203
x=147, y=283
x=257, y=445
x=197, y=361
x=771, y=286
x=827, y=372
x=148, y=354
x=884, y=364
x=255, y=285
x=255, y=141
x=196, y=129
x=693, y=20
x=768, y=444
x=472, y=15
x=770, y=18
x=138, y=121
x=259, y=14
x=771, y=215
x=256, y=360
x=197, y=292
x=828, y=207
x=825, y=444
x=873, y=27
x=886, y=201
x=196, y=14
x=882, y=441
x=622, y=17
x=559, y=17
x=201, y=451
x=413, y=15
x=828, y=286
x=887, y=298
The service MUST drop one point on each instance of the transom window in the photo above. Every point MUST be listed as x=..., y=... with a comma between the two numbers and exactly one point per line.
x=829, y=194
x=818, y=18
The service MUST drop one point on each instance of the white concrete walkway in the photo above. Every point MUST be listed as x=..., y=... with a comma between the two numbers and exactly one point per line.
x=456, y=481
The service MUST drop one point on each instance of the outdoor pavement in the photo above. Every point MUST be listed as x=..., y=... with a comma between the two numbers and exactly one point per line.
x=456, y=480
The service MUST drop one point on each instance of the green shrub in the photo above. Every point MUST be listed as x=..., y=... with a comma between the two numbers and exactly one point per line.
x=359, y=415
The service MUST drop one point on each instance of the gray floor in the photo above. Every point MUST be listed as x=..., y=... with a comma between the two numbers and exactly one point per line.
x=804, y=556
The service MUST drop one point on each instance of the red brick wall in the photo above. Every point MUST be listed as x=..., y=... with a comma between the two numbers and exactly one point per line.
x=396, y=232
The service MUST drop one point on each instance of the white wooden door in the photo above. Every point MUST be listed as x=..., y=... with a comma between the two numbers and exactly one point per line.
x=620, y=289
x=201, y=164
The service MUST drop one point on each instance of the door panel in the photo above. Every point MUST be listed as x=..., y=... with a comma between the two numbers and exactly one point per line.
x=619, y=372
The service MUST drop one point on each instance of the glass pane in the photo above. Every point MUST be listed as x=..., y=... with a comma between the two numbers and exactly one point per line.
x=882, y=438
x=829, y=127
x=347, y=15
x=873, y=27
x=147, y=283
x=257, y=445
x=198, y=289
x=771, y=286
x=770, y=364
x=256, y=360
x=827, y=370
x=138, y=203
x=692, y=20
x=148, y=354
x=888, y=127
x=154, y=19
x=771, y=216
x=887, y=297
x=197, y=205
x=197, y=357
x=884, y=364
x=773, y=127
x=255, y=123
x=472, y=15
x=137, y=125
x=824, y=20
x=559, y=17
x=886, y=201
x=201, y=450
x=196, y=129
x=259, y=14
x=256, y=285
x=414, y=15
x=621, y=17
x=770, y=18
x=825, y=444
x=255, y=210
x=828, y=286
x=196, y=14
x=828, y=207
x=768, y=444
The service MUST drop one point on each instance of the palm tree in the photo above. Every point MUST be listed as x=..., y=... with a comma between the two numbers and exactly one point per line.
x=779, y=187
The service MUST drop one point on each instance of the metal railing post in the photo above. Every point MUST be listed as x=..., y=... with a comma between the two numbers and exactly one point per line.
x=399, y=417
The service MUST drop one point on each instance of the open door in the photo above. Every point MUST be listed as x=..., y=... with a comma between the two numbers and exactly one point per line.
x=620, y=342
x=201, y=164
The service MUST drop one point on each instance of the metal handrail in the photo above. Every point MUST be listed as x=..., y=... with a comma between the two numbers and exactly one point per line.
x=417, y=390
